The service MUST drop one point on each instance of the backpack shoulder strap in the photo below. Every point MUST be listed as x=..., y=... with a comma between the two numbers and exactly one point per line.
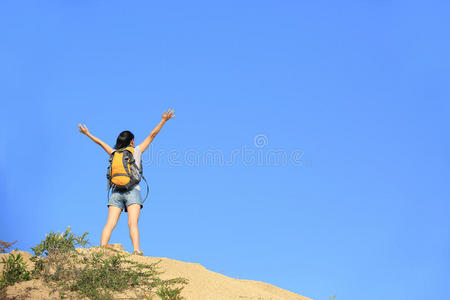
x=112, y=155
x=131, y=149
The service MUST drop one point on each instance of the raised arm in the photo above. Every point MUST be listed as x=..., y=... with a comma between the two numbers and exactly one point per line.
x=98, y=141
x=166, y=116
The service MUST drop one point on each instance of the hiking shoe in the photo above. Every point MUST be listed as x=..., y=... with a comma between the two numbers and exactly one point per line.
x=138, y=252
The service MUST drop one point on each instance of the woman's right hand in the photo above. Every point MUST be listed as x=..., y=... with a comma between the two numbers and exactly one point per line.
x=82, y=129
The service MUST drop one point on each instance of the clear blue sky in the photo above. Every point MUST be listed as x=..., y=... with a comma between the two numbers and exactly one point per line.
x=360, y=88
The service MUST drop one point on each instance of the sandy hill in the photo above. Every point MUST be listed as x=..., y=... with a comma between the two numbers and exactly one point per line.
x=203, y=283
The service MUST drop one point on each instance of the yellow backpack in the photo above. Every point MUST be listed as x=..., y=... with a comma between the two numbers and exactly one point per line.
x=123, y=173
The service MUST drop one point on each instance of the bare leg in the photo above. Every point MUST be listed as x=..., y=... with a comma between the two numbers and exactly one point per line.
x=134, y=211
x=113, y=217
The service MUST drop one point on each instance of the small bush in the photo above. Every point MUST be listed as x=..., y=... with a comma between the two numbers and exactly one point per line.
x=169, y=293
x=15, y=270
x=100, y=275
x=56, y=242
x=4, y=246
x=96, y=274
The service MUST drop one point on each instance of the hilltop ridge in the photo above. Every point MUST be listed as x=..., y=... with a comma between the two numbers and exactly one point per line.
x=203, y=283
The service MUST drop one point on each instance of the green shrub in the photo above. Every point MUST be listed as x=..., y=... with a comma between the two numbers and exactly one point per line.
x=56, y=242
x=4, y=246
x=100, y=275
x=14, y=270
x=169, y=293
x=96, y=274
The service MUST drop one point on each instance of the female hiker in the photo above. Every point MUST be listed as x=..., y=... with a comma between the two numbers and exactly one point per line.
x=129, y=200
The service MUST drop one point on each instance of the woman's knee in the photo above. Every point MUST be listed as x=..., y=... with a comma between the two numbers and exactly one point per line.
x=132, y=223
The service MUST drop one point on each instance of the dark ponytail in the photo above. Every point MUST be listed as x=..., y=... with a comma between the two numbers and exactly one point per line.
x=124, y=139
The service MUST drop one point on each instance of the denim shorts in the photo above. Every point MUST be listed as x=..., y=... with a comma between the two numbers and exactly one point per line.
x=123, y=199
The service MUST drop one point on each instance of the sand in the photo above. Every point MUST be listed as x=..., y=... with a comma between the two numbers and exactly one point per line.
x=203, y=284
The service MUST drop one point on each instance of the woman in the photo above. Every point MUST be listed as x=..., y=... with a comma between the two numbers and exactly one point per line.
x=131, y=200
